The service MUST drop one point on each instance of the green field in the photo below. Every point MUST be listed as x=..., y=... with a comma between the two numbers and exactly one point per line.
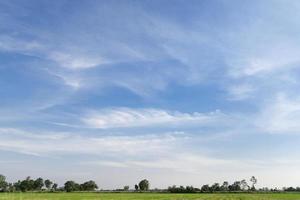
x=144, y=196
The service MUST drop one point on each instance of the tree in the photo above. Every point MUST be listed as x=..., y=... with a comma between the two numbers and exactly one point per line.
x=27, y=185
x=3, y=183
x=17, y=185
x=48, y=184
x=11, y=187
x=224, y=187
x=71, y=186
x=136, y=187
x=244, y=185
x=126, y=188
x=54, y=187
x=189, y=189
x=236, y=186
x=89, y=186
x=182, y=189
x=38, y=184
x=254, y=181
x=144, y=185
x=215, y=187
x=205, y=188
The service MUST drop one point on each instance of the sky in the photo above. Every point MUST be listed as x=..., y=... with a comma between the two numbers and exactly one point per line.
x=177, y=92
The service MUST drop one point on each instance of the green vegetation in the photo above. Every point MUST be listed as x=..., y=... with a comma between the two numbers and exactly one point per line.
x=146, y=196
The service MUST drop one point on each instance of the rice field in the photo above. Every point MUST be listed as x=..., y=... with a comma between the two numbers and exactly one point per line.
x=145, y=196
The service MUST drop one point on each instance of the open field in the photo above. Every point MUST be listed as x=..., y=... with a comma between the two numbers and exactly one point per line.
x=145, y=196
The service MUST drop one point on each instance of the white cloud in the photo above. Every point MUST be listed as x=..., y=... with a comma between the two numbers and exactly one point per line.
x=8, y=43
x=240, y=92
x=258, y=66
x=76, y=61
x=127, y=117
x=181, y=162
x=282, y=115
x=61, y=143
x=32, y=135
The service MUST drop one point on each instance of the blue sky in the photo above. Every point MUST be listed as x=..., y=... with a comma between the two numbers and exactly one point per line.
x=178, y=92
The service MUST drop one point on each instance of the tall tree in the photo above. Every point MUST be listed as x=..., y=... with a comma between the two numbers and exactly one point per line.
x=144, y=185
x=3, y=183
x=54, y=187
x=224, y=186
x=244, y=185
x=48, y=184
x=254, y=181
x=136, y=187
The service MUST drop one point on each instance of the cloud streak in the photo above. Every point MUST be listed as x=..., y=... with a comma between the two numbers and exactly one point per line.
x=127, y=117
x=47, y=144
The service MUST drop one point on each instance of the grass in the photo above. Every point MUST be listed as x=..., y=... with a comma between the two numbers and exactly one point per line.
x=145, y=196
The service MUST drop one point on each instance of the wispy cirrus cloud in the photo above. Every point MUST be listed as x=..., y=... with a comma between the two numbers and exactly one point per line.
x=65, y=143
x=76, y=62
x=127, y=117
x=280, y=116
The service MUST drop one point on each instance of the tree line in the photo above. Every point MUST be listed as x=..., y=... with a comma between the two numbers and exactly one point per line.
x=236, y=186
x=39, y=184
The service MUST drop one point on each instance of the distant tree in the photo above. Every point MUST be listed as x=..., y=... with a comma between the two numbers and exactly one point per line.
x=17, y=185
x=254, y=181
x=3, y=183
x=244, y=185
x=236, y=186
x=27, y=185
x=48, y=184
x=215, y=187
x=71, y=186
x=289, y=189
x=190, y=189
x=38, y=184
x=205, y=188
x=54, y=187
x=89, y=186
x=144, y=185
x=126, y=188
x=172, y=189
x=11, y=187
x=224, y=186
x=136, y=187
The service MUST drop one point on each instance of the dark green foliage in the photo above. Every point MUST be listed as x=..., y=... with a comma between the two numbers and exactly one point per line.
x=205, y=188
x=224, y=186
x=236, y=186
x=254, y=181
x=71, y=186
x=88, y=186
x=3, y=183
x=144, y=185
x=38, y=184
x=48, y=184
x=181, y=189
x=54, y=187
x=27, y=185
x=136, y=187
x=215, y=187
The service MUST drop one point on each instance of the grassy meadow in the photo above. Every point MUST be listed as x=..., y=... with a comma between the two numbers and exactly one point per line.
x=145, y=196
